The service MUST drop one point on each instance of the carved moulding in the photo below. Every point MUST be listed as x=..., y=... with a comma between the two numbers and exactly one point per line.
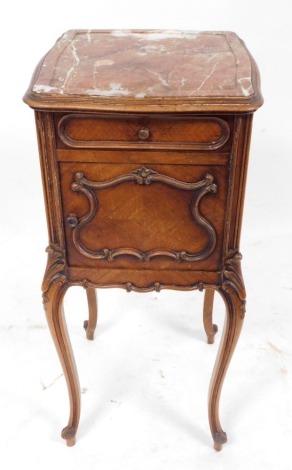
x=55, y=269
x=142, y=176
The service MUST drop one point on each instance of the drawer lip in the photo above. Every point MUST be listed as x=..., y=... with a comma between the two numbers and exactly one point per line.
x=149, y=145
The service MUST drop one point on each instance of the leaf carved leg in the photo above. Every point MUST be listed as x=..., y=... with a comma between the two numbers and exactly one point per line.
x=54, y=288
x=90, y=324
x=233, y=293
x=209, y=327
x=53, y=303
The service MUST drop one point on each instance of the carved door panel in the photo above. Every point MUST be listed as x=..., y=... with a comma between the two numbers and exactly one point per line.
x=144, y=216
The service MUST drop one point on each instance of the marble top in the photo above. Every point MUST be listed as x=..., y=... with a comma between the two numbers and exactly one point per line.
x=146, y=65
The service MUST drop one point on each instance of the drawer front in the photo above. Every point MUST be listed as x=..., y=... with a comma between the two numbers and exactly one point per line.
x=144, y=217
x=96, y=131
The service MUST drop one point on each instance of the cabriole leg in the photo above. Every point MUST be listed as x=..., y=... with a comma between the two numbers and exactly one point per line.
x=54, y=287
x=210, y=328
x=53, y=304
x=90, y=324
x=233, y=293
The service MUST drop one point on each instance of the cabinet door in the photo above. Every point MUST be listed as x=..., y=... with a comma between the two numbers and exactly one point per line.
x=144, y=216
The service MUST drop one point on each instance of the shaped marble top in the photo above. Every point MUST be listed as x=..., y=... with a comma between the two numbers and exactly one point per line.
x=94, y=69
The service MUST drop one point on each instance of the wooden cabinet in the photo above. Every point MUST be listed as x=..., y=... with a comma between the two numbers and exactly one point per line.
x=144, y=141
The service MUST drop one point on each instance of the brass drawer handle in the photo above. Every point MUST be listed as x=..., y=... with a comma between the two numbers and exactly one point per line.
x=144, y=133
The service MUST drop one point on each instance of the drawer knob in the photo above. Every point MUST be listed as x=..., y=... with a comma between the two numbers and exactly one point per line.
x=72, y=220
x=144, y=133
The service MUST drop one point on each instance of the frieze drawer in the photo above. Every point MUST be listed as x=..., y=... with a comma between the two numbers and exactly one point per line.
x=100, y=131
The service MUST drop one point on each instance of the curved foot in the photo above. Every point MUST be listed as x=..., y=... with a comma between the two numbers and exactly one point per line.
x=89, y=331
x=90, y=324
x=211, y=335
x=210, y=328
x=69, y=434
x=233, y=293
x=220, y=438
